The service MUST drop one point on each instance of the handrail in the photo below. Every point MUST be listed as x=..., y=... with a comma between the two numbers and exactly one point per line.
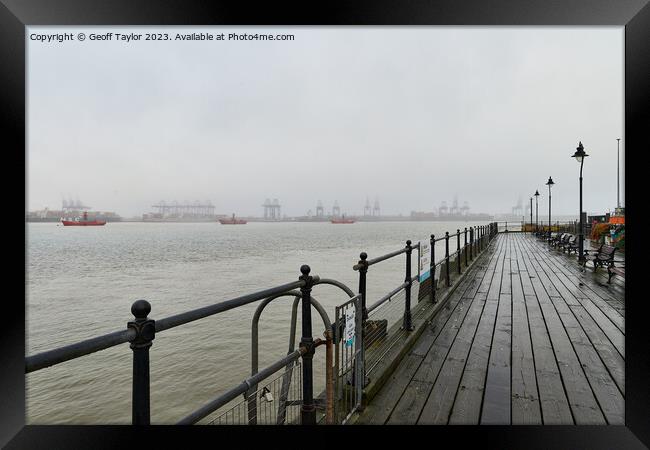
x=200, y=313
x=378, y=259
x=72, y=351
x=387, y=297
x=88, y=346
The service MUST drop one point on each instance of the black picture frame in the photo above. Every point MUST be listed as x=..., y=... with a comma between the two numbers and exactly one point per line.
x=15, y=15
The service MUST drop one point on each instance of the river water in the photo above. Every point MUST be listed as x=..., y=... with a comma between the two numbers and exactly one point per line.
x=81, y=282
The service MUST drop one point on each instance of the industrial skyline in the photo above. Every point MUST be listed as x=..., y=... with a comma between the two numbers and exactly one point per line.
x=412, y=115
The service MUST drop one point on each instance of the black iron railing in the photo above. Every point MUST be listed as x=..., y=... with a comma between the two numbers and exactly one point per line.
x=348, y=361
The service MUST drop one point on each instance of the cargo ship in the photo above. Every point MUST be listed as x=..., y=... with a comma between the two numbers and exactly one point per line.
x=82, y=222
x=232, y=221
x=342, y=220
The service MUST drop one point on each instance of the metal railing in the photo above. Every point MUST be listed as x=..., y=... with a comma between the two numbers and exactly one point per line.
x=357, y=339
x=141, y=332
x=391, y=317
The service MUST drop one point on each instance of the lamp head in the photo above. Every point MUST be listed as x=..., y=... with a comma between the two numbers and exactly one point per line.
x=536, y=193
x=580, y=154
x=550, y=183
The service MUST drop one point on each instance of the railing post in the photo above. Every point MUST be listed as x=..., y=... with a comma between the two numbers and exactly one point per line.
x=465, y=247
x=447, y=256
x=506, y=226
x=458, y=249
x=406, y=323
x=482, y=237
x=145, y=329
x=363, y=271
x=471, y=242
x=308, y=409
x=432, y=268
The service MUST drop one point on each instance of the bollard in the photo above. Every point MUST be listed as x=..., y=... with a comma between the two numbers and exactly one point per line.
x=432, y=268
x=308, y=409
x=406, y=323
x=447, y=257
x=145, y=329
x=458, y=249
x=363, y=271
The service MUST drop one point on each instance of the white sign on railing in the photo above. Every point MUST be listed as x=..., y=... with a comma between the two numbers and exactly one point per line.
x=349, y=327
x=425, y=260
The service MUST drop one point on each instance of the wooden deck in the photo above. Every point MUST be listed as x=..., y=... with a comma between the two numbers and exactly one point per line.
x=526, y=338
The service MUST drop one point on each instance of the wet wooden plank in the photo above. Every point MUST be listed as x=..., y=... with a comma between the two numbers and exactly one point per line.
x=467, y=405
x=408, y=408
x=584, y=406
x=525, y=399
x=381, y=407
x=497, y=399
x=553, y=401
x=612, y=359
x=609, y=397
x=438, y=406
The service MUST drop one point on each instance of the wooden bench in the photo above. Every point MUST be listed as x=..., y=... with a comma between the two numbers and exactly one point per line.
x=551, y=237
x=564, y=239
x=614, y=270
x=554, y=241
x=572, y=245
x=567, y=242
x=604, y=256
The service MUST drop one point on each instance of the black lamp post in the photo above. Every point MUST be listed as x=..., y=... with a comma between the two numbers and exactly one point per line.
x=580, y=155
x=536, y=208
x=618, y=172
x=549, y=183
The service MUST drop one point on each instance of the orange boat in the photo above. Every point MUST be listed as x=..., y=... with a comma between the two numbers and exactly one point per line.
x=83, y=222
x=342, y=220
x=232, y=221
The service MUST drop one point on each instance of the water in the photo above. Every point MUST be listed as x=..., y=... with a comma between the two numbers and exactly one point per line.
x=81, y=282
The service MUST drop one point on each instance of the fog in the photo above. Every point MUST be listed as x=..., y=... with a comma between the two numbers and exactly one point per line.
x=409, y=115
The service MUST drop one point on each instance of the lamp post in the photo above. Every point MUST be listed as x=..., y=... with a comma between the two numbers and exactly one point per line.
x=618, y=172
x=580, y=155
x=549, y=183
x=536, y=209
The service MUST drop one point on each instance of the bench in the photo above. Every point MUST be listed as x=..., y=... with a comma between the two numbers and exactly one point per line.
x=572, y=245
x=551, y=237
x=613, y=270
x=569, y=241
x=604, y=256
x=564, y=239
x=554, y=241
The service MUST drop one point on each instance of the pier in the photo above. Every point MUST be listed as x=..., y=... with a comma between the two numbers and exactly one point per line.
x=526, y=338
x=491, y=325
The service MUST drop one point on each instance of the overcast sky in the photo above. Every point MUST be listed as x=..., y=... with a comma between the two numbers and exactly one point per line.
x=410, y=115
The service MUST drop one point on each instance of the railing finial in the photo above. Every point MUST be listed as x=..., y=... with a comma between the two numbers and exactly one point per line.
x=140, y=309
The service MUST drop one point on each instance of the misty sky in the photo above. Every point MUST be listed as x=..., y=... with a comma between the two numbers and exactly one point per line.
x=411, y=115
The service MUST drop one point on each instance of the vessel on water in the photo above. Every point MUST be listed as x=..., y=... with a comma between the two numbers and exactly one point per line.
x=82, y=221
x=232, y=221
x=342, y=219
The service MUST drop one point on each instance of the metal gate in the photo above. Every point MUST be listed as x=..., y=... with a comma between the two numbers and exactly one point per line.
x=348, y=359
